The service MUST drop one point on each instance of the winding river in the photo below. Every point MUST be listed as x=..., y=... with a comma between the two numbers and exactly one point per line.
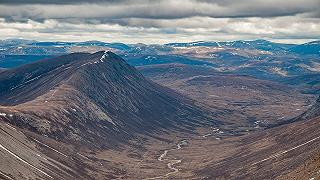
x=171, y=162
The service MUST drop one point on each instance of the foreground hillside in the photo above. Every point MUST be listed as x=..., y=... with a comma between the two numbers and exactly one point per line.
x=271, y=154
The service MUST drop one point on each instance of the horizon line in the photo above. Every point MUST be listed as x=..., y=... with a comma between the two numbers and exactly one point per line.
x=266, y=39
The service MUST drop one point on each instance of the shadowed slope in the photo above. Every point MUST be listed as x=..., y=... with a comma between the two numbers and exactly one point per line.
x=272, y=153
x=95, y=98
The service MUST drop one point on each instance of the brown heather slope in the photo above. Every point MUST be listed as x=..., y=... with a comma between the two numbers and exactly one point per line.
x=251, y=103
x=269, y=154
x=309, y=169
x=93, y=98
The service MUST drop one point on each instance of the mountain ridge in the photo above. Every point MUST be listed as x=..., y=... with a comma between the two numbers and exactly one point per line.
x=99, y=94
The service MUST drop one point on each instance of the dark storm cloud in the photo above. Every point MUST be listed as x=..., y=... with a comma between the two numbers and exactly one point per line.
x=57, y=1
x=152, y=19
x=153, y=9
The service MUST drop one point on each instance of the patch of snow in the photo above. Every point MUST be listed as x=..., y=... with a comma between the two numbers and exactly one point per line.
x=216, y=129
x=279, y=71
x=20, y=159
x=50, y=148
x=5, y=176
x=286, y=151
x=3, y=114
x=218, y=44
x=206, y=135
x=315, y=66
x=20, y=85
x=243, y=87
x=212, y=95
x=11, y=127
x=32, y=79
x=199, y=76
x=41, y=157
x=257, y=124
x=85, y=64
x=83, y=156
x=103, y=56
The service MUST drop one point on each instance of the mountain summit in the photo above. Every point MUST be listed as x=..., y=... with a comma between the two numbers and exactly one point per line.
x=93, y=98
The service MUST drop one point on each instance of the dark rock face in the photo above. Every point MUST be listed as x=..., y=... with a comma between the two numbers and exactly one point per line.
x=313, y=112
x=94, y=98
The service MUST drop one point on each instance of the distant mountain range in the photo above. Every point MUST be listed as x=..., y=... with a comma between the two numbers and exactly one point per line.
x=307, y=48
x=257, y=58
x=254, y=44
x=21, y=46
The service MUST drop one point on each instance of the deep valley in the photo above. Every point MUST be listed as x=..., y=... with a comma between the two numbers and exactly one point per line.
x=176, y=111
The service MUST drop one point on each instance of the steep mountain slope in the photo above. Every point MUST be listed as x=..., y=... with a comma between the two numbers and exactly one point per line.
x=312, y=112
x=23, y=157
x=269, y=154
x=311, y=82
x=250, y=102
x=310, y=168
x=95, y=99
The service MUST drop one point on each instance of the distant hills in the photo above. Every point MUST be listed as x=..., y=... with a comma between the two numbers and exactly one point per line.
x=257, y=58
x=254, y=44
x=260, y=44
x=307, y=48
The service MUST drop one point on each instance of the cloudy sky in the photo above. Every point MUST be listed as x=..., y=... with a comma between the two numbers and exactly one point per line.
x=160, y=21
